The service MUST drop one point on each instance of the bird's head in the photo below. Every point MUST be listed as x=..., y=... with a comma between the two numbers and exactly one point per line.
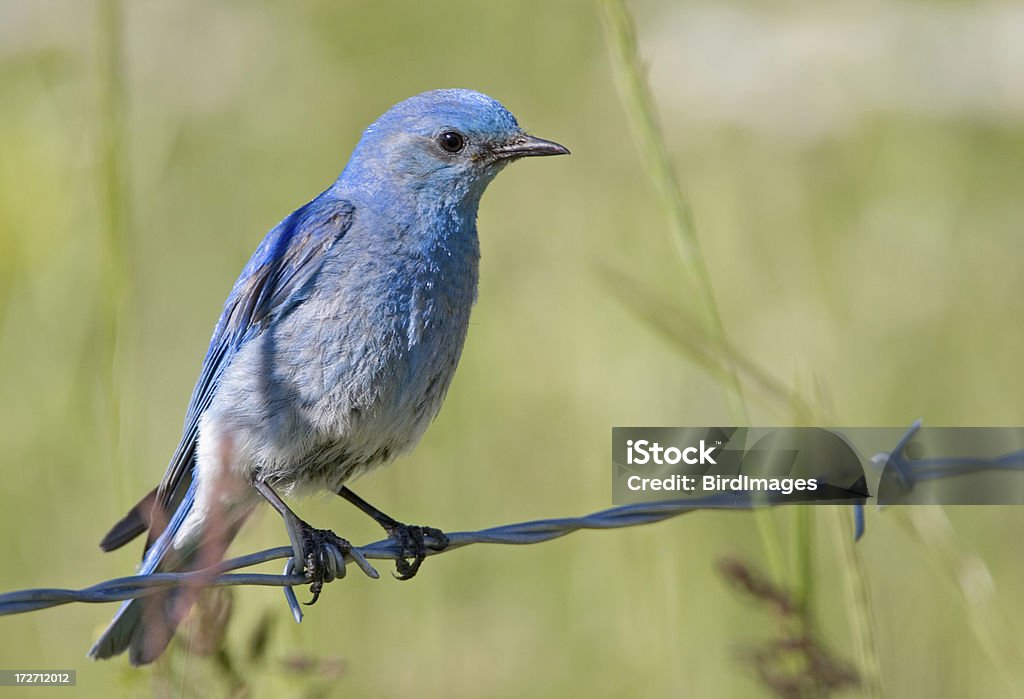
x=443, y=144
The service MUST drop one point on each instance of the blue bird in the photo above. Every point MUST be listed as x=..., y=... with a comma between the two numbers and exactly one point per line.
x=332, y=355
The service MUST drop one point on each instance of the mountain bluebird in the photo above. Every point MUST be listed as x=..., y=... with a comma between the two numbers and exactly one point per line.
x=333, y=353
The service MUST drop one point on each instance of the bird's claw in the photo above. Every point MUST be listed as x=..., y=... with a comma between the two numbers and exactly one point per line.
x=412, y=540
x=323, y=554
x=323, y=558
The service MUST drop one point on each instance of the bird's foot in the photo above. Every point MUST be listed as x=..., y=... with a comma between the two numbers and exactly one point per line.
x=414, y=544
x=323, y=558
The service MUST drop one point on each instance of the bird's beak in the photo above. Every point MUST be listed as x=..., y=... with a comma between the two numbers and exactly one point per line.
x=525, y=146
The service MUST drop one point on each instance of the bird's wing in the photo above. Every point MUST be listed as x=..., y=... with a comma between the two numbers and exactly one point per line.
x=276, y=279
x=273, y=282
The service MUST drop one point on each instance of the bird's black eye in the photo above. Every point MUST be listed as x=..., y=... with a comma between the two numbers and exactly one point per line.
x=451, y=141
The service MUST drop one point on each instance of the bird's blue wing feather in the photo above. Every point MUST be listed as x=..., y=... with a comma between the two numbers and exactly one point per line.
x=274, y=281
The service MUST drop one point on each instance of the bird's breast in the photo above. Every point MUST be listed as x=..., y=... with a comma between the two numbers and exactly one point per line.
x=392, y=335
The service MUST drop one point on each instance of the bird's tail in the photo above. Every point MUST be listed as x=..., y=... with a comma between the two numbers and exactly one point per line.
x=145, y=625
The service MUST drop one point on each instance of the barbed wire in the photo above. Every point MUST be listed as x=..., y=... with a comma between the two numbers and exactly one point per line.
x=523, y=533
x=911, y=471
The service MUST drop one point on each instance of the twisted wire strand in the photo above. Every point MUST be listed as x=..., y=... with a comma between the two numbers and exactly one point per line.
x=522, y=533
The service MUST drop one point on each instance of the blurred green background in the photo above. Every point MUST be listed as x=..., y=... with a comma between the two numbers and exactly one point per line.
x=856, y=178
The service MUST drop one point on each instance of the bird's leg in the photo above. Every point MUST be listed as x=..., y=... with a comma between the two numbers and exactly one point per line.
x=320, y=552
x=411, y=538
